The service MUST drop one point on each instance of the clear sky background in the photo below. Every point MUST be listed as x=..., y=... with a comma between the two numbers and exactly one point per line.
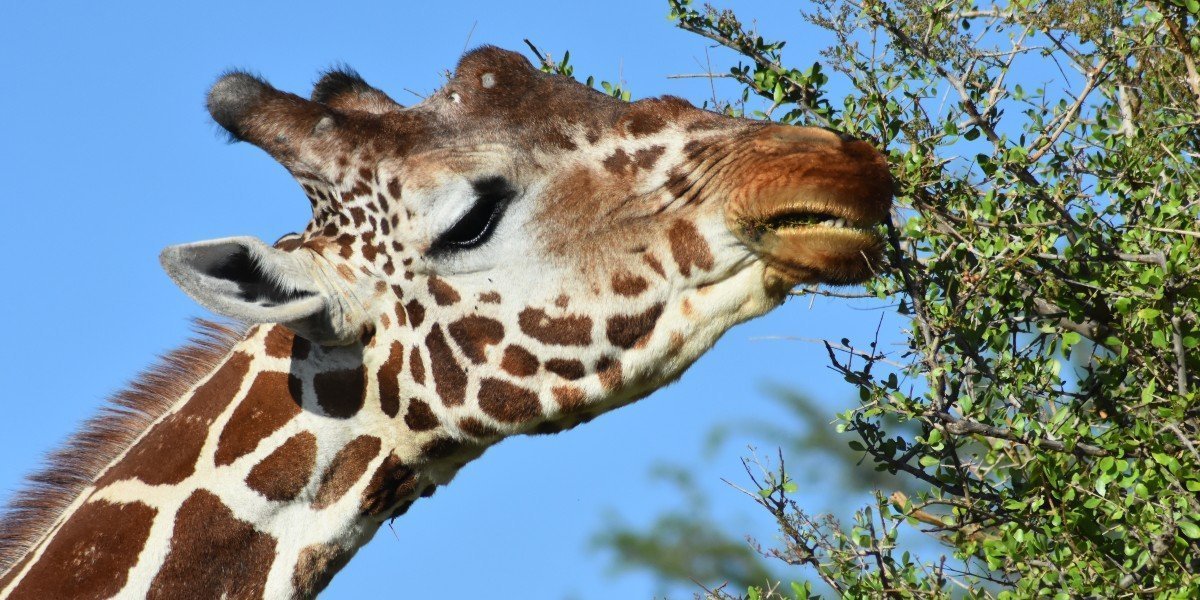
x=108, y=156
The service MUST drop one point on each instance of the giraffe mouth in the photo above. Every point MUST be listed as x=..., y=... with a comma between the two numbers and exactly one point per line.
x=822, y=243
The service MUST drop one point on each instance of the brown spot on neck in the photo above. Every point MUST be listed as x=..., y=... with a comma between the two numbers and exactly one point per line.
x=273, y=400
x=347, y=467
x=508, y=403
x=571, y=369
x=629, y=285
x=392, y=483
x=281, y=342
x=91, y=554
x=341, y=393
x=389, y=380
x=570, y=330
x=284, y=473
x=474, y=334
x=417, y=365
x=625, y=331
x=689, y=248
x=519, y=362
x=449, y=378
x=419, y=416
x=316, y=567
x=213, y=554
x=169, y=452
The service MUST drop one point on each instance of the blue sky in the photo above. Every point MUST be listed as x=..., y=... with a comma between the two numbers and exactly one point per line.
x=109, y=156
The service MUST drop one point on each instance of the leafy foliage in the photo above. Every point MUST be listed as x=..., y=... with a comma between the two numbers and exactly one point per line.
x=1044, y=254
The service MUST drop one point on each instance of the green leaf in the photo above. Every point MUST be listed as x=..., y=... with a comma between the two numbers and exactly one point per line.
x=1189, y=528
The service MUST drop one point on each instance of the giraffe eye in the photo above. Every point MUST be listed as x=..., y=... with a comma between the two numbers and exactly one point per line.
x=492, y=196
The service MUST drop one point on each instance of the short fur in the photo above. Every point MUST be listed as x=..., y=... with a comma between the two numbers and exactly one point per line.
x=105, y=436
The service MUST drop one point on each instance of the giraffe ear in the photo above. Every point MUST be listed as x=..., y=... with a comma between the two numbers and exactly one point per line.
x=245, y=279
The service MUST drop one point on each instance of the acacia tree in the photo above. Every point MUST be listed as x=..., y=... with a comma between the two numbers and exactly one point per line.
x=1043, y=416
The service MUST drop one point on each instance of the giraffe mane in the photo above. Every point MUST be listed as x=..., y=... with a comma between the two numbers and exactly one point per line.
x=67, y=471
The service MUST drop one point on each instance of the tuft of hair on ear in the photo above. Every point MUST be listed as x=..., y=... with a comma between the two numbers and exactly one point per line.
x=338, y=80
x=232, y=97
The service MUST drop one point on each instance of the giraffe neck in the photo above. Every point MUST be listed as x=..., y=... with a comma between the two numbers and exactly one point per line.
x=261, y=480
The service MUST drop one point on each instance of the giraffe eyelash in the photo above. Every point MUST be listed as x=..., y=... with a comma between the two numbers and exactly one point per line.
x=492, y=197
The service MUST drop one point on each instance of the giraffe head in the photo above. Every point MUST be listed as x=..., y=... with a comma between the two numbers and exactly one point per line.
x=524, y=245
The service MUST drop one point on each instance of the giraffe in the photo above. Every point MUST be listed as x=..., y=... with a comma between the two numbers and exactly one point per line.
x=516, y=254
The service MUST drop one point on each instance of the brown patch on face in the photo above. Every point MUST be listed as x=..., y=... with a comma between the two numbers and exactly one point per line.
x=91, y=555
x=654, y=264
x=417, y=364
x=519, y=362
x=391, y=483
x=609, y=371
x=416, y=313
x=443, y=293
x=168, y=453
x=282, y=343
x=316, y=567
x=689, y=248
x=508, y=403
x=474, y=334
x=347, y=273
x=448, y=376
x=566, y=368
x=624, y=331
x=679, y=183
x=571, y=330
x=490, y=297
x=569, y=398
x=282, y=475
x=347, y=468
x=389, y=380
x=273, y=400
x=476, y=428
x=393, y=188
x=562, y=301
x=676, y=342
x=213, y=554
x=419, y=416
x=640, y=123
x=627, y=284
x=341, y=393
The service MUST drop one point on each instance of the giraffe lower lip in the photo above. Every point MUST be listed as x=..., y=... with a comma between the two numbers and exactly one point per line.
x=821, y=254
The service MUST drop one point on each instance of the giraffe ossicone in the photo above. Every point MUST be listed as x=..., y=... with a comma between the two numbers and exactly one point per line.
x=515, y=254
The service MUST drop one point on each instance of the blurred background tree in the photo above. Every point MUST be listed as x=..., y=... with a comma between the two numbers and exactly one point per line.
x=1039, y=430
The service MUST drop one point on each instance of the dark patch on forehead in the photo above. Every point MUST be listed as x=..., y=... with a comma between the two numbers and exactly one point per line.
x=519, y=361
x=609, y=371
x=341, y=393
x=393, y=188
x=417, y=364
x=443, y=293
x=474, y=334
x=391, y=483
x=449, y=378
x=347, y=467
x=624, y=331
x=213, y=554
x=508, y=403
x=570, y=330
x=389, y=380
x=416, y=313
x=476, y=428
x=273, y=400
x=284, y=473
x=689, y=248
x=419, y=416
x=566, y=368
x=91, y=555
x=169, y=452
x=627, y=284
